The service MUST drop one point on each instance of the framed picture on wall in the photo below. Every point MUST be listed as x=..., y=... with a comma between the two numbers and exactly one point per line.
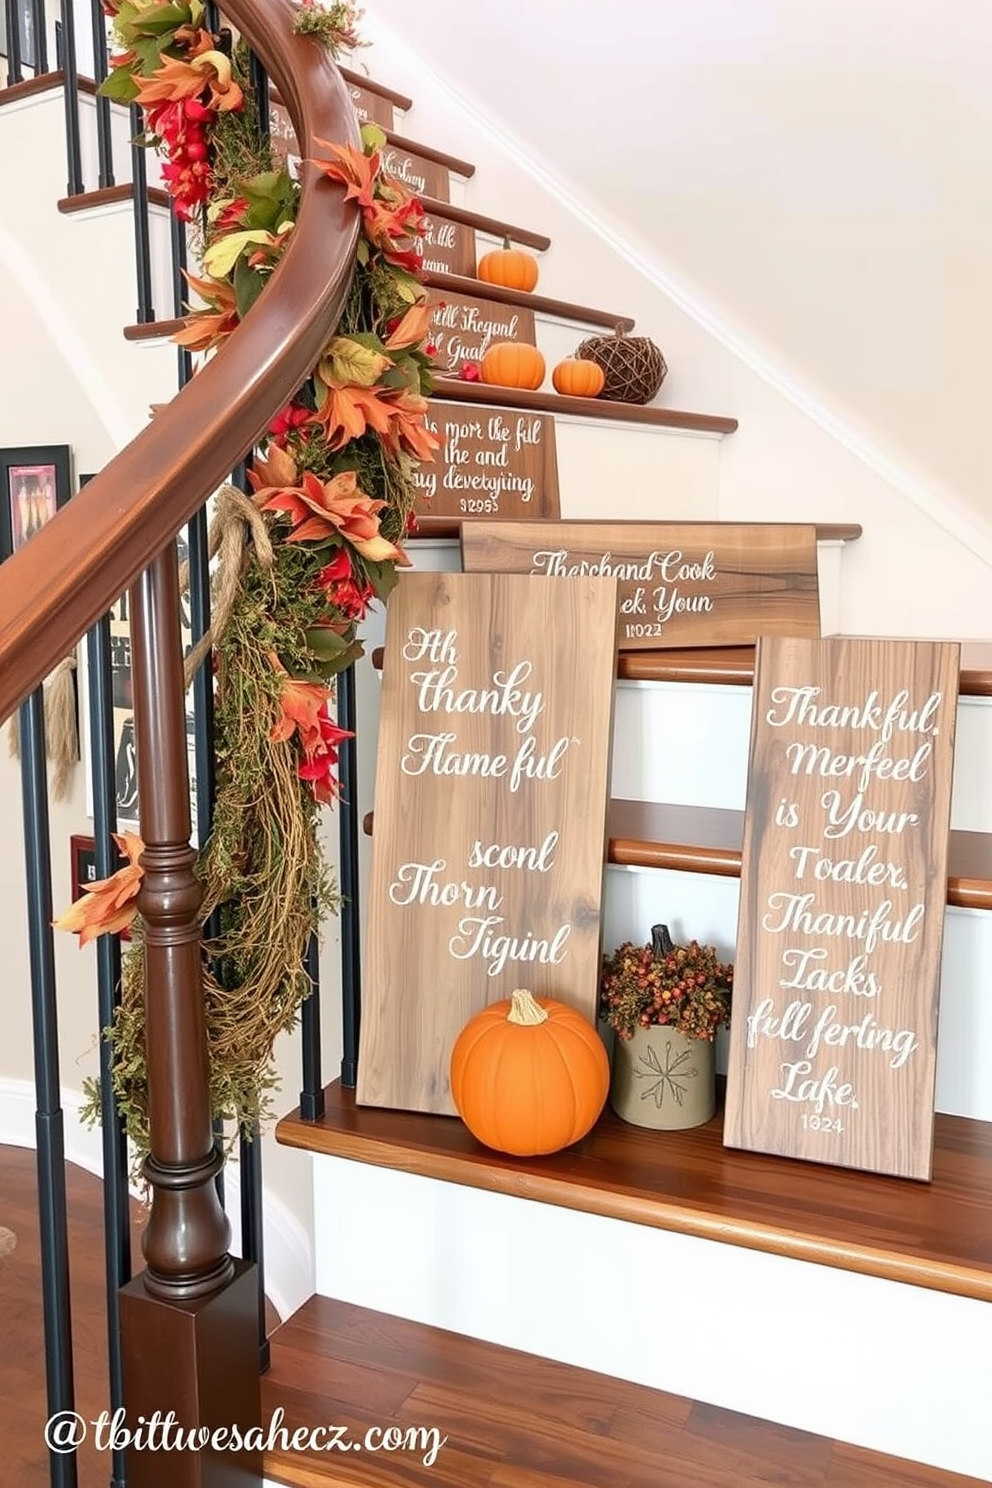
x=34, y=483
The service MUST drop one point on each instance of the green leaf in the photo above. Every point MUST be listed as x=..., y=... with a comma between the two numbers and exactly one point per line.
x=119, y=85
x=383, y=577
x=153, y=20
x=373, y=137
x=345, y=360
x=219, y=259
x=248, y=285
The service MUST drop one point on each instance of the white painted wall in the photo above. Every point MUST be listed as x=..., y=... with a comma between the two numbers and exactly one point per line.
x=613, y=104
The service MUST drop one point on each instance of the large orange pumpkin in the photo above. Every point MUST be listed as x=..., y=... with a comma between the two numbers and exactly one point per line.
x=574, y=378
x=514, y=364
x=510, y=267
x=529, y=1076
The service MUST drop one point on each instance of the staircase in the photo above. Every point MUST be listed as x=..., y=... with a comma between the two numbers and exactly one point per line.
x=555, y=1319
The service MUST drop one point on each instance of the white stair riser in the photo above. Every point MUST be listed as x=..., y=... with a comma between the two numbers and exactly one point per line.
x=849, y=1356
x=687, y=744
x=704, y=906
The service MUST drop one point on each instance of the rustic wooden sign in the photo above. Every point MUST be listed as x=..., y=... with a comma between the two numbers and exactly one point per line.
x=420, y=176
x=463, y=328
x=282, y=136
x=680, y=584
x=370, y=107
x=492, y=463
x=447, y=247
x=843, y=892
x=490, y=815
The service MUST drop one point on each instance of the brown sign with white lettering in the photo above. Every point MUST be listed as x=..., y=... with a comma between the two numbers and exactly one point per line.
x=370, y=107
x=420, y=176
x=463, y=328
x=843, y=894
x=447, y=247
x=680, y=584
x=492, y=463
x=490, y=812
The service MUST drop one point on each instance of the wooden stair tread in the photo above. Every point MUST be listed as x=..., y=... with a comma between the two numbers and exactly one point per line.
x=440, y=157
x=478, y=289
x=514, y=1420
x=735, y=665
x=707, y=839
x=492, y=225
x=936, y=1235
x=454, y=390
x=43, y=82
x=702, y=839
x=106, y=196
x=359, y=80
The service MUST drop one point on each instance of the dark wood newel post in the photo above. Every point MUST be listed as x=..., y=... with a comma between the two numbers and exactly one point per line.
x=189, y=1322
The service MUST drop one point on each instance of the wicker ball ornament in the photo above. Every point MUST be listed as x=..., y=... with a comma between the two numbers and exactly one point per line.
x=633, y=365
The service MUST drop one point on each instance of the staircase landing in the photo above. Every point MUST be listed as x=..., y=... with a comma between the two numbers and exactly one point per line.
x=516, y=1421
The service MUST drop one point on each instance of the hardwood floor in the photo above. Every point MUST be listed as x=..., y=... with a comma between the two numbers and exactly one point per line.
x=512, y=1421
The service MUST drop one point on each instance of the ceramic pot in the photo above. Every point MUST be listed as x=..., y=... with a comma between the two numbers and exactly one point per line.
x=663, y=1080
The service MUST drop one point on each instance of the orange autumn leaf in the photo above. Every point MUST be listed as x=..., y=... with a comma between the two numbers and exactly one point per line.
x=412, y=328
x=355, y=171
x=408, y=427
x=177, y=79
x=109, y=904
x=335, y=507
x=275, y=472
x=205, y=328
x=300, y=706
x=347, y=412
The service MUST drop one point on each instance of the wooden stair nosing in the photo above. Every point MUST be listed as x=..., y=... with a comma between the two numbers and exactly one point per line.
x=492, y=225
x=42, y=82
x=457, y=391
x=478, y=289
x=936, y=1235
x=428, y=152
x=358, y=80
x=105, y=196
x=707, y=839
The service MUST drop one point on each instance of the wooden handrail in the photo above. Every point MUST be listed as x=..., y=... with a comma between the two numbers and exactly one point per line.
x=57, y=585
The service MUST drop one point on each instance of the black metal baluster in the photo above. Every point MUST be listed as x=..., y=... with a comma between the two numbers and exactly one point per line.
x=116, y=1203
x=104, y=142
x=312, y=1094
x=12, y=19
x=38, y=59
x=177, y=242
x=252, y=1232
x=142, y=235
x=70, y=93
x=49, y=1124
x=351, y=934
x=260, y=89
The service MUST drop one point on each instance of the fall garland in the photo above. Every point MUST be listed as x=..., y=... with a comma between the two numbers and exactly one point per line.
x=334, y=484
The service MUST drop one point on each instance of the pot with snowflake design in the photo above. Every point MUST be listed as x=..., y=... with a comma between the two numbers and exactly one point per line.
x=664, y=1003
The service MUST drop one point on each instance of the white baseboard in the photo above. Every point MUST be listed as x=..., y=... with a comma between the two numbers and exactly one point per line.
x=289, y=1254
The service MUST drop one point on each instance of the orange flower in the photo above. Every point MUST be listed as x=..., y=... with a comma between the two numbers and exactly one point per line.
x=300, y=707
x=320, y=511
x=176, y=80
x=357, y=172
x=348, y=411
x=206, y=328
x=109, y=904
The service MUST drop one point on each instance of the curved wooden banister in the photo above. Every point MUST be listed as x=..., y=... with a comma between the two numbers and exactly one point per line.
x=70, y=573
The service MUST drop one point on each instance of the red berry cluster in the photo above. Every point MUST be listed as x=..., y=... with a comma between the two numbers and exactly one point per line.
x=183, y=127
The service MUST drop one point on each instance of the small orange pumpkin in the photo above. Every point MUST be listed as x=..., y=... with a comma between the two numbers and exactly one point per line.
x=574, y=378
x=510, y=267
x=529, y=1076
x=514, y=364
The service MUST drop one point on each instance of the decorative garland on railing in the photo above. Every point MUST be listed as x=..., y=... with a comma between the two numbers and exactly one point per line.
x=334, y=492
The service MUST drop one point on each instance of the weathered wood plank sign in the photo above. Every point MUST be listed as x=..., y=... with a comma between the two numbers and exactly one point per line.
x=843, y=892
x=420, y=176
x=371, y=108
x=492, y=463
x=463, y=328
x=490, y=815
x=679, y=584
x=447, y=247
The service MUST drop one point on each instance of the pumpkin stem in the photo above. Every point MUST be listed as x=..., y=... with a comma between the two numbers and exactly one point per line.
x=507, y=245
x=525, y=1011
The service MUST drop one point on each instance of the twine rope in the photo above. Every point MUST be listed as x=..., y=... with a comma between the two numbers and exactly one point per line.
x=236, y=517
